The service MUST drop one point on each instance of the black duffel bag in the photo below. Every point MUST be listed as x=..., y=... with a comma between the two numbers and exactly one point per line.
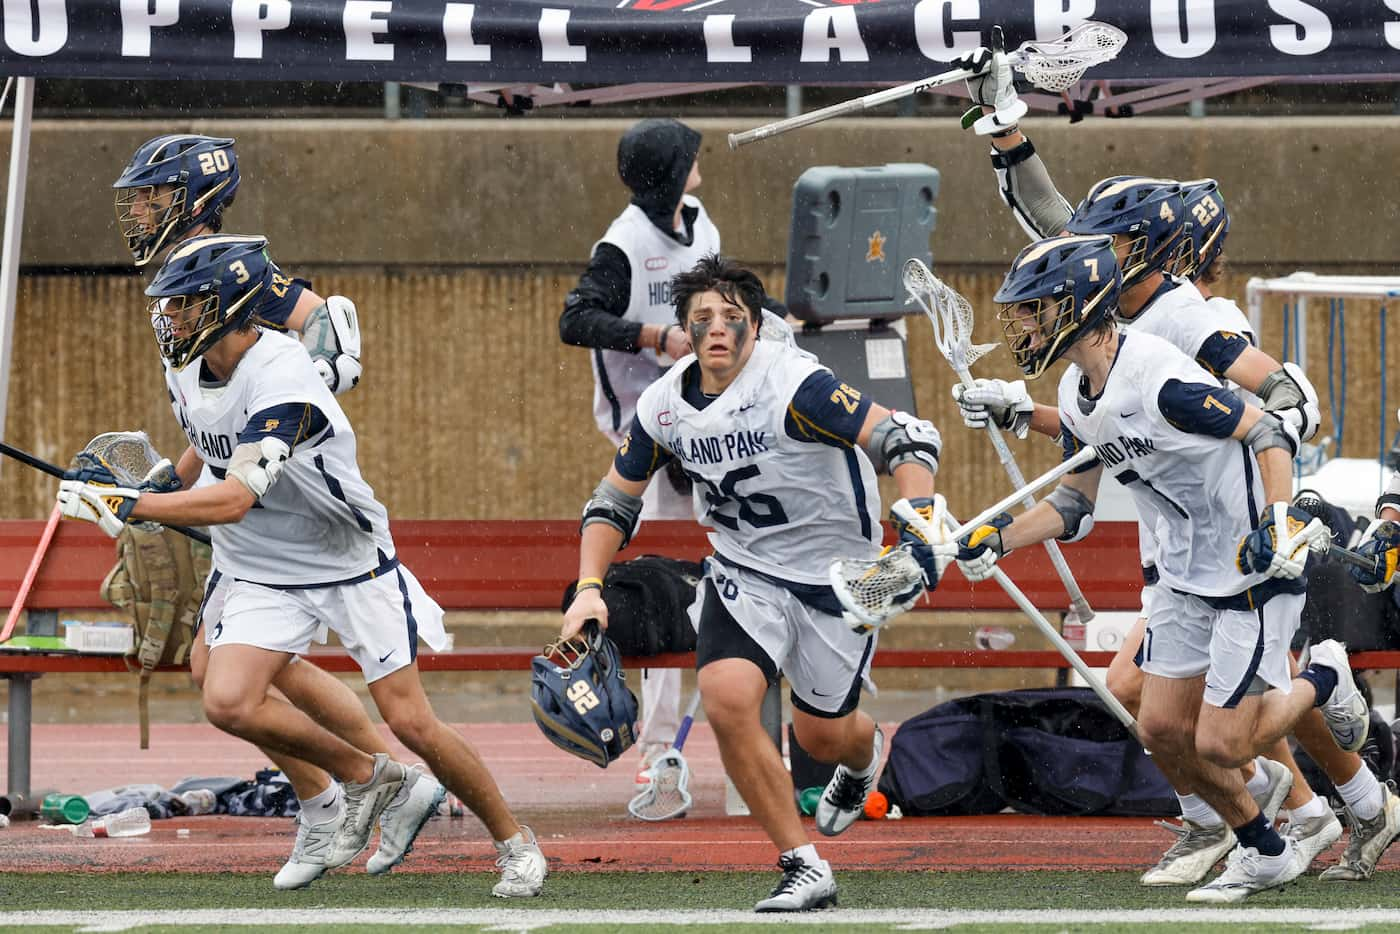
x=648, y=599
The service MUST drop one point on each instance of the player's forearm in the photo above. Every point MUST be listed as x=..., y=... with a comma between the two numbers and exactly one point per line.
x=1251, y=368
x=599, y=546
x=1276, y=473
x=1045, y=420
x=221, y=504
x=188, y=467
x=913, y=481
x=1037, y=524
x=307, y=302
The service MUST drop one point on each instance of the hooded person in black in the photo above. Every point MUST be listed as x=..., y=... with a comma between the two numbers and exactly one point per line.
x=656, y=159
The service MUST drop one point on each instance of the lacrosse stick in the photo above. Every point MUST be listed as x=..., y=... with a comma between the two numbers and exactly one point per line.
x=124, y=456
x=1310, y=503
x=1054, y=65
x=1120, y=713
x=667, y=795
x=950, y=314
x=873, y=591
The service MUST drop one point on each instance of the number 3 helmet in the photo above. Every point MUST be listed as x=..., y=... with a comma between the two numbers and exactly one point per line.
x=1057, y=290
x=172, y=185
x=1148, y=213
x=580, y=698
x=208, y=286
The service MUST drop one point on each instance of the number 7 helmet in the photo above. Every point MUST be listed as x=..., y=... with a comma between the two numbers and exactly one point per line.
x=1147, y=213
x=1057, y=291
x=580, y=698
x=207, y=287
x=172, y=185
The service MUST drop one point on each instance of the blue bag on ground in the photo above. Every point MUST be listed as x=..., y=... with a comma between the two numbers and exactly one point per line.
x=1043, y=751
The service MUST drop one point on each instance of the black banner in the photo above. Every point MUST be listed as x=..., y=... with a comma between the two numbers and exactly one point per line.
x=636, y=41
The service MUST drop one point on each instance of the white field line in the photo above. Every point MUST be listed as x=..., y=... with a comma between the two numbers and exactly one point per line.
x=514, y=919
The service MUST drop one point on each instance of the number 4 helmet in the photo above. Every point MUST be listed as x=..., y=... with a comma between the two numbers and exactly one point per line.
x=1148, y=213
x=1057, y=290
x=580, y=698
x=208, y=287
x=172, y=185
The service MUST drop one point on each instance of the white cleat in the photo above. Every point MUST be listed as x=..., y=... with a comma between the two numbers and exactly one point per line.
x=364, y=803
x=1369, y=838
x=1247, y=871
x=1314, y=836
x=309, y=854
x=843, y=800
x=416, y=801
x=522, y=866
x=1271, y=799
x=1345, y=711
x=1192, y=856
x=804, y=887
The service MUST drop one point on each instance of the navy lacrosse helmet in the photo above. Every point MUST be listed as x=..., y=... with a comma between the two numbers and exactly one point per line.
x=580, y=698
x=172, y=185
x=1148, y=212
x=1057, y=290
x=1208, y=223
x=208, y=286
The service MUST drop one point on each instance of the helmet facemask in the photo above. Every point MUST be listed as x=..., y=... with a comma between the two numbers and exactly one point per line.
x=145, y=222
x=186, y=326
x=1035, y=329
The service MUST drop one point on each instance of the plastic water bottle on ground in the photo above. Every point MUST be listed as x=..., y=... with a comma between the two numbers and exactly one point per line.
x=994, y=638
x=133, y=822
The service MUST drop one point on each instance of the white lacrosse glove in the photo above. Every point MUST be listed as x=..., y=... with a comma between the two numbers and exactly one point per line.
x=993, y=86
x=1279, y=547
x=93, y=493
x=1006, y=405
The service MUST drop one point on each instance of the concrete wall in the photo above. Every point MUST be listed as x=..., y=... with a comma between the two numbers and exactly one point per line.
x=1304, y=191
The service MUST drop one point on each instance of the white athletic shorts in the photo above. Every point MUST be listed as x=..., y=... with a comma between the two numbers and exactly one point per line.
x=825, y=663
x=379, y=621
x=1187, y=637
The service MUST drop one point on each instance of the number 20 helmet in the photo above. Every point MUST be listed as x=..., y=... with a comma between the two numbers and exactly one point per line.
x=208, y=286
x=1057, y=290
x=580, y=698
x=172, y=185
x=1148, y=213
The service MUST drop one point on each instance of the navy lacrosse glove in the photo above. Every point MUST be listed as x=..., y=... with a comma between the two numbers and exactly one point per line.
x=920, y=547
x=1382, y=541
x=1279, y=547
x=980, y=549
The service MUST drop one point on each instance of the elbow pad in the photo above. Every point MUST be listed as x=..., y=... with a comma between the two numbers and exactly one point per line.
x=1025, y=186
x=1391, y=497
x=257, y=465
x=1287, y=393
x=1271, y=431
x=332, y=337
x=618, y=509
x=1076, y=511
x=902, y=439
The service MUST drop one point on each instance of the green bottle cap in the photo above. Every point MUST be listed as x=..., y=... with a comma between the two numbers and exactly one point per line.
x=67, y=809
x=807, y=801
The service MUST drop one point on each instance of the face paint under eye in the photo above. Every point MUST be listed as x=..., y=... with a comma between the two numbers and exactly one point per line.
x=697, y=332
x=740, y=330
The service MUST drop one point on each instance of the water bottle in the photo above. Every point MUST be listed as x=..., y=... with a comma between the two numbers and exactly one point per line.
x=133, y=822
x=994, y=638
x=1074, y=630
x=199, y=801
x=64, y=809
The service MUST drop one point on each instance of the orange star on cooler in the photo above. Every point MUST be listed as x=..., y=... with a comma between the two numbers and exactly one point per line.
x=875, y=249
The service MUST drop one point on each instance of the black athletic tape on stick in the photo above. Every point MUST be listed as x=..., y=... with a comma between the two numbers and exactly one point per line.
x=53, y=470
x=1314, y=506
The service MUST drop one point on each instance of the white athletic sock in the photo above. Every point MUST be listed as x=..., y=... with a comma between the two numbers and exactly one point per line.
x=806, y=852
x=869, y=770
x=1198, y=812
x=1316, y=807
x=1260, y=779
x=1363, y=794
x=324, y=806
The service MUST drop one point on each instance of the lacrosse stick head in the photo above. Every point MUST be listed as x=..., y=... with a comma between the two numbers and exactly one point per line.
x=873, y=591
x=668, y=793
x=134, y=461
x=948, y=312
x=1057, y=64
x=1057, y=291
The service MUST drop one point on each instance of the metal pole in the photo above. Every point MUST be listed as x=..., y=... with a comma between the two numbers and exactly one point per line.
x=794, y=100
x=391, y=100
x=14, y=231
x=21, y=710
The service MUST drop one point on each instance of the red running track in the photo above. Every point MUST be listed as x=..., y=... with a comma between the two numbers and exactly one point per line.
x=578, y=811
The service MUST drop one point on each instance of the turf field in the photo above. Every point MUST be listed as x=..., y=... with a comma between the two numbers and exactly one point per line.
x=709, y=901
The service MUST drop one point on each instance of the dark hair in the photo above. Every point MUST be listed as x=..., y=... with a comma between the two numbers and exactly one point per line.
x=715, y=273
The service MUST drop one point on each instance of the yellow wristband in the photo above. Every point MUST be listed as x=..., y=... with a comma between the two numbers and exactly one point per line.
x=587, y=582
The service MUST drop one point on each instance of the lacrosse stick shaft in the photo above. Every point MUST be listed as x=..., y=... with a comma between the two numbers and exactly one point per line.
x=686, y=722
x=31, y=572
x=1064, y=648
x=1050, y=476
x=1371, y=563
x=53, y=470
x=1052, y=548
x=847, y=107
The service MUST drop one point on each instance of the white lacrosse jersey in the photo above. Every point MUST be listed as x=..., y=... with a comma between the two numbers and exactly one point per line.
x=619, y=377
x=1161, y=427
x=777, y=477
x=319, y=524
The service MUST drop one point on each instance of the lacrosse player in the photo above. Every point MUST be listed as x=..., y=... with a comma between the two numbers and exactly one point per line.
x=1204, y=468
x=173, y=188
x=621, y=310
x=1161, y=227
x=783, y=457
x=304, y=545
